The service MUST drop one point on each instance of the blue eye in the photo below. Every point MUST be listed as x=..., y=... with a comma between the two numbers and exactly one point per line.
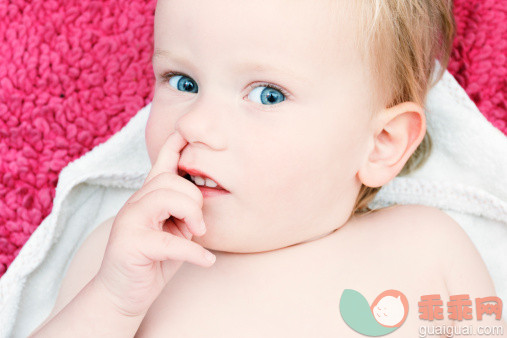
x=181, y=82
x=268, y=95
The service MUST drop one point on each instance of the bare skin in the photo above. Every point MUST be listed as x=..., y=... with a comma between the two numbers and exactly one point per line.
x=295, y=291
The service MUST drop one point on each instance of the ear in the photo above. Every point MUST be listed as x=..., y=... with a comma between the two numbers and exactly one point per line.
x=397, y=131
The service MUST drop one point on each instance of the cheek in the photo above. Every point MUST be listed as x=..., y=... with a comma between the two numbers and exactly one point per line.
x=282, y=169
x=301, y=170
x=156, y=132
x=148, y=138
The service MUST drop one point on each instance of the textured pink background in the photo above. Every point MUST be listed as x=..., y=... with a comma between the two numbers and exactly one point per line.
x=72, y=73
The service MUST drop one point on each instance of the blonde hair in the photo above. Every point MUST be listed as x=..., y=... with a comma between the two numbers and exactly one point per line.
x=400, y=41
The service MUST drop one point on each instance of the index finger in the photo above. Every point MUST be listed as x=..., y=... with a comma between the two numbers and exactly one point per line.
x=168, y=156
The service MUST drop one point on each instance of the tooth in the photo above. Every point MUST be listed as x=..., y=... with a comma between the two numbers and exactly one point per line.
x=198, y=180
x=210, y=183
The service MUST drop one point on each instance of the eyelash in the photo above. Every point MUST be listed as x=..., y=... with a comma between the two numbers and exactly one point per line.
x=166, y=76
x=272, y=86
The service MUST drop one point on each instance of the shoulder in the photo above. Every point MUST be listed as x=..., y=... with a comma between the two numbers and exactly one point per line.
x=441, y=241
x=435, y=243
x=419, y=220
x=434, y=227
x=83, y=266
x=425, y=232
x=86, y=261
x=102, y=231
x=88, y=257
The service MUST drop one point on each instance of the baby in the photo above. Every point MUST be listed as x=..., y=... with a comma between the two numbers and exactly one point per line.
x=273, y=125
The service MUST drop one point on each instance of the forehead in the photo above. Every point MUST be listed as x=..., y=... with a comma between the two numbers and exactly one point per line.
x=286, y=34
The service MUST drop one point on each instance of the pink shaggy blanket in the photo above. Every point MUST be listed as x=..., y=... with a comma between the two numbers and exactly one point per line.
x=72, y=73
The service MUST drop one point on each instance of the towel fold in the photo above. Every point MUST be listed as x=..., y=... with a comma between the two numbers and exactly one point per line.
x=465, y=176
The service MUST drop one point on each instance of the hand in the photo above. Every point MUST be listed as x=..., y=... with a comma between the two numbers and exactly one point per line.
x=151, y=235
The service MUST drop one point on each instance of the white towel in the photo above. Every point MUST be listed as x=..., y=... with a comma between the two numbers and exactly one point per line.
x=465, y=176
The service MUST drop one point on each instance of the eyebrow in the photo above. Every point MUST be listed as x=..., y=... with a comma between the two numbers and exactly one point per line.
x=265, y=67
x=252, y=66
x=163, y=54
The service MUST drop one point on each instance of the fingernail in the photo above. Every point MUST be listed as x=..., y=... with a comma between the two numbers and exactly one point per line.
x=209, y=256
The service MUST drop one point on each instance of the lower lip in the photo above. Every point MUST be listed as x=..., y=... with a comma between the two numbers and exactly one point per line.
x=210, y=192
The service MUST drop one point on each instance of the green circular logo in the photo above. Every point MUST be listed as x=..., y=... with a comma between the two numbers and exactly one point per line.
x=386, y=314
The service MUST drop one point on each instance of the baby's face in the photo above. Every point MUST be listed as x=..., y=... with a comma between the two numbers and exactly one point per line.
x=288, y=156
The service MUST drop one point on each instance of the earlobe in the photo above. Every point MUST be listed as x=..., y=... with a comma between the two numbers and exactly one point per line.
x=396, y=134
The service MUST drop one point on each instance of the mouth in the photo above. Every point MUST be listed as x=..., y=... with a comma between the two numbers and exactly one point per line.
x=200, y=179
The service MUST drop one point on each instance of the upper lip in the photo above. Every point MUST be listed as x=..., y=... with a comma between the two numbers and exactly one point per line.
x=182, y=171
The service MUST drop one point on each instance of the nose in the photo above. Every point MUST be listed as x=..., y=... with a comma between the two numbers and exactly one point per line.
x=202, y=123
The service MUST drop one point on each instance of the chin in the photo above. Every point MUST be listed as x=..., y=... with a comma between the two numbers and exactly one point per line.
x=217, y=243
x=214, y=242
